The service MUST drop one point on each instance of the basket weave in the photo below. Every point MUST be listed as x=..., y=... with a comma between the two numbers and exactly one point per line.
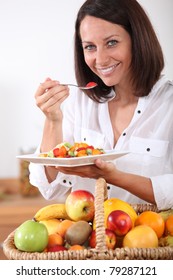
x=100, y=252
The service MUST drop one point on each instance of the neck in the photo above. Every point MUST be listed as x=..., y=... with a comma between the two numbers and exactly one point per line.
x=124, y=94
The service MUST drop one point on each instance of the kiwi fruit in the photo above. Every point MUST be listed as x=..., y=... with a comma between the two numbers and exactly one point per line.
x=78, y=233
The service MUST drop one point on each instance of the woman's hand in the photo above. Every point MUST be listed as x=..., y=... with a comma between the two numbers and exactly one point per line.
x=137, y=185
x=106, y=170
x=49, y=96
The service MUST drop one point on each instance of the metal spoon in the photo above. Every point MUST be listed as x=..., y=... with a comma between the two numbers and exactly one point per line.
x=88, y=86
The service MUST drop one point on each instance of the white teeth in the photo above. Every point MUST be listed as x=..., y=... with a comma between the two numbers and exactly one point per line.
x=106, y=70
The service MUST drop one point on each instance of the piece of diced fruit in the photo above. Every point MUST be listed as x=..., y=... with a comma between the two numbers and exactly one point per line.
x=71, y=153
x=96, y=152
x=89, y=151
x=81, y=149
x=67, y=145
x=43, y=155
x=56, y=152
x=60, y=152
x=90, y=147
x=81, y=153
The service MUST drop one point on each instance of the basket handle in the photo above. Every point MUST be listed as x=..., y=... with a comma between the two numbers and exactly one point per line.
x=100, y=196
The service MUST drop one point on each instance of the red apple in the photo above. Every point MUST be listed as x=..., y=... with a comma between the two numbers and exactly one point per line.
x=80, y=205
x=110, y=239
x=119, y=222
x=56, y=248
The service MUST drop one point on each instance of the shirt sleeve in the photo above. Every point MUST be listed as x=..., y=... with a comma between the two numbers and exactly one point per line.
x=63, y=184
x=163, y=191
x=57, y=189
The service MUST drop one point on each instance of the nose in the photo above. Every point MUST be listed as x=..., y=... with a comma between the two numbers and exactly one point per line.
x=102, y=57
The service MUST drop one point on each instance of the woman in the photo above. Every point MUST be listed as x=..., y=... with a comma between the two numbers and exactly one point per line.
x=116, y=47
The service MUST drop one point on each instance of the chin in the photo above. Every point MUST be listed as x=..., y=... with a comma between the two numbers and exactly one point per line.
x=109, y=82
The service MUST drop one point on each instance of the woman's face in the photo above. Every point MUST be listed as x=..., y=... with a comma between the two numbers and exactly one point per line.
x=107, y=50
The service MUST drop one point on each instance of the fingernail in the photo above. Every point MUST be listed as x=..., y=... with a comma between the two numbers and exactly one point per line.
x=48, y=79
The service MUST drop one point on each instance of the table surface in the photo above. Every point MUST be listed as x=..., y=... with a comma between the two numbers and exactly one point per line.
x=14, y=210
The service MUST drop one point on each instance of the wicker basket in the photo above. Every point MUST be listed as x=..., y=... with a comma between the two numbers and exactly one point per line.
x=100, y=252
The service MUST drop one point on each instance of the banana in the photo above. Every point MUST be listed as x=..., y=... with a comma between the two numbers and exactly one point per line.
x=50, y=212
x=166, y=213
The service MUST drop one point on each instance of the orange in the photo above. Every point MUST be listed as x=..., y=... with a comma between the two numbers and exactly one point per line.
x=63, y=226
x=141, y=237
x=153, y=220
x=169, y=225
x=77, y=247
x=55, y=239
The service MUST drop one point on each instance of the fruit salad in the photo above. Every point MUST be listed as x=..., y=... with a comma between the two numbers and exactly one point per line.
x=67, y=150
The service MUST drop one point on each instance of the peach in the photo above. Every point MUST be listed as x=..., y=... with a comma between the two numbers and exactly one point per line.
x=63, y=227
x=119, y=222
x=55, y=239
x=76, y=247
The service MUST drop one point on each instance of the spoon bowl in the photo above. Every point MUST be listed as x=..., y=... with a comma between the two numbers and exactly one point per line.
x=90, y=85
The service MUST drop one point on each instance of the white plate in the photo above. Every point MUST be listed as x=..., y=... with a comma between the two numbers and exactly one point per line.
x=74, y=161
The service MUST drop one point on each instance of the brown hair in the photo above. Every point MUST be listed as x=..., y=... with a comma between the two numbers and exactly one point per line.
x=147, y=57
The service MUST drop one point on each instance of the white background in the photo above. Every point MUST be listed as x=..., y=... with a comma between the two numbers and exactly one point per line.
x=36, y=41
x=86, y=269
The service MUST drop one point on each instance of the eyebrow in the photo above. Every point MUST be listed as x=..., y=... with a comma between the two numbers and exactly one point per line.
x=113, y=35
x=107, y=38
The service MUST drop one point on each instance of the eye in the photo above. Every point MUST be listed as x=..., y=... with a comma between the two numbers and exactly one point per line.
x=112, y=43
x=89, y=47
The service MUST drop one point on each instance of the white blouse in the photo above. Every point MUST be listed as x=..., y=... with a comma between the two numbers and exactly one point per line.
x=148, y=138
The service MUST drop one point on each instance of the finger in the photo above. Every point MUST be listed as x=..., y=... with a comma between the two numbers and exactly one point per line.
x=67, y=171
x=45, y=86
x=52, y=96
x=100, y=163
x=47, y=79
x=103, y=165
x=48, y=104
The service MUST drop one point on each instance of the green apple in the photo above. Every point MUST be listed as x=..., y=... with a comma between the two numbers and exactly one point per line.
x=31, y=236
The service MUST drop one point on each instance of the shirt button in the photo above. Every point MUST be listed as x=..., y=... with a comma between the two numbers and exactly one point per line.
x=139, y=111
x=108, y=187
x=64, y=181
x=124, y=134
x=148, y=149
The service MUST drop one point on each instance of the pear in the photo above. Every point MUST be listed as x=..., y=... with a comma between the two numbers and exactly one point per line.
x=166, y=213
x=166, y=241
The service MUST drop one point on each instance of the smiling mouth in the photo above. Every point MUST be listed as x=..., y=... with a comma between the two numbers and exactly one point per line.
x=107, y=70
